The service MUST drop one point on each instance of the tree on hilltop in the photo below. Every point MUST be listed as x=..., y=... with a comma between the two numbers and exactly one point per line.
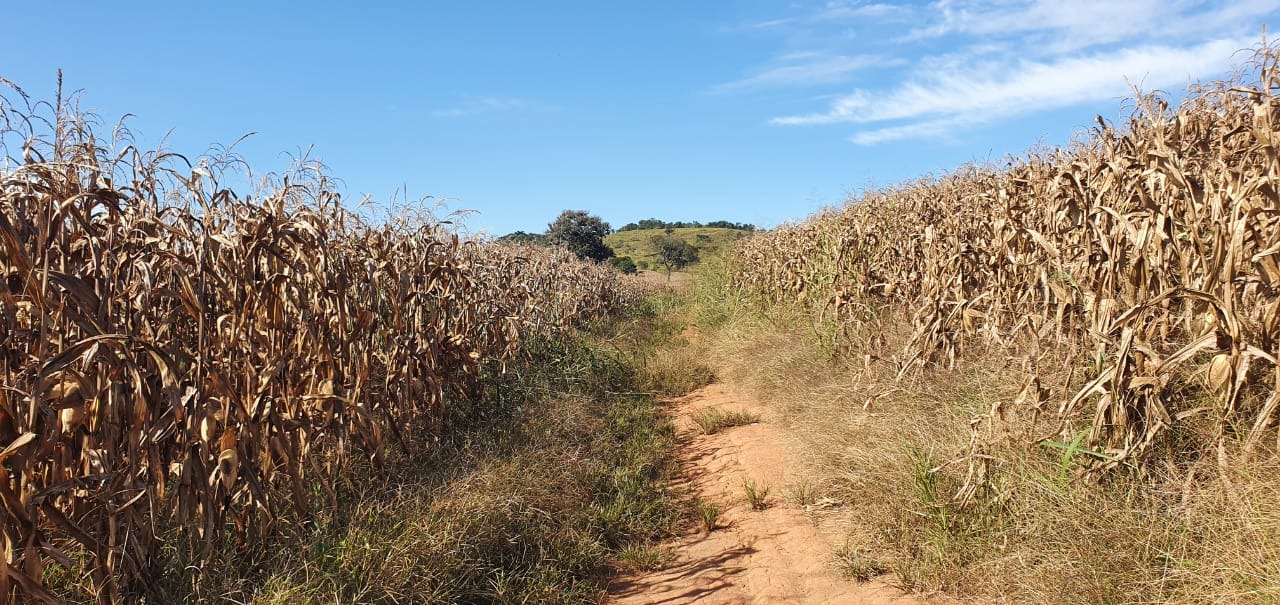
x=523, y=237
x=582, y=233
x=674, y=253
x=653, y=223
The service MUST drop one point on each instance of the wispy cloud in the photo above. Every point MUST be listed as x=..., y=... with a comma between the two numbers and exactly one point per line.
x=930, y=129
x=998, y=90
x=978, y=62
x=1081, y=21
x=848, y=11
x=481, y=105
x=1087, y=22
x=833, y=12
x=804, y=69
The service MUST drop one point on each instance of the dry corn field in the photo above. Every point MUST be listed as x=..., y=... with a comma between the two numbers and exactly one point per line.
x=1151, y=251
x=177, y=354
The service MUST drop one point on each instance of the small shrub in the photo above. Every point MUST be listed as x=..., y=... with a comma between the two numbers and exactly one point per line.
x=708, y=514
x=802, y=493
x=623, y=264
x=757, y=495
x=856, y=564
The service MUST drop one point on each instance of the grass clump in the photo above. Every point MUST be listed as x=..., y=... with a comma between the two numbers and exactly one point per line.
x=857, y=564
x=802, y=493
x=644, y=557
x=712, y=420
x=757, y=495
x=708, y=514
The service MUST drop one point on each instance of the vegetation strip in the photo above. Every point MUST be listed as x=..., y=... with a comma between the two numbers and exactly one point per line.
x=191, y=369
x=532, y=497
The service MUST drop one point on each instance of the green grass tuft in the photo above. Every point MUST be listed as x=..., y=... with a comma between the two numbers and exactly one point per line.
x=708, y=514
x=757, y=495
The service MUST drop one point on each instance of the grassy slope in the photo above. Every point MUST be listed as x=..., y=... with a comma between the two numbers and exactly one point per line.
x=636, y=243
x=531, y=497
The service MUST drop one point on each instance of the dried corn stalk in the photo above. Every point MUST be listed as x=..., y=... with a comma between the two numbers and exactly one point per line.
x=1152, y=250
x=177, y=354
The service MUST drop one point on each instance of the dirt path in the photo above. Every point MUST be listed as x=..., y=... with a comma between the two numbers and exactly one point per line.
x=777, y=555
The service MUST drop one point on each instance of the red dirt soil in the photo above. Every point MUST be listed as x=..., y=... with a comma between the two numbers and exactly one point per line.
x=777, y=555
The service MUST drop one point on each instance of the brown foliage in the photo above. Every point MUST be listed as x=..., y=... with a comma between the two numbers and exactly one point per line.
x=177, y=355
x=1149, y=250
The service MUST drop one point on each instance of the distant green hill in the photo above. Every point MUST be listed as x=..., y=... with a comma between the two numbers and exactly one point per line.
x=709, y=241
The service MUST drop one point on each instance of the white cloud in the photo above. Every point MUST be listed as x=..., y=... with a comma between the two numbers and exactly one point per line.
x=479, y=106
x=930, y=129
x=1080, y=22
x=766, y=24
x=848, y=11
x=805, y=69
x=979, y=62
x=995, y=90
x=833, y=12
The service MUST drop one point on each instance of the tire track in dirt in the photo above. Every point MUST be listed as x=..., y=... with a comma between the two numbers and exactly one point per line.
x=776, y=555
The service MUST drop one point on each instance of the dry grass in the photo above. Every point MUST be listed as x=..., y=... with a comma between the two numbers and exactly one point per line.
x=712, y=420
x=679, y=369
x=858, y=565
x=897, y=454
x=802, y=493
x=645, y=557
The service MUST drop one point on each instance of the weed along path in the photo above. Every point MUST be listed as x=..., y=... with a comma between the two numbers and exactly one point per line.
x=764, y=548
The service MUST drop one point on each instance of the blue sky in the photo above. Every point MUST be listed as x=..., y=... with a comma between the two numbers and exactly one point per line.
x=739, y=110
